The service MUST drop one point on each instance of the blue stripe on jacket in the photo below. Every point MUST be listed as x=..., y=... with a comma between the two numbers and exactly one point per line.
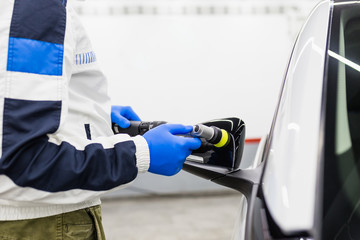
x=33, y=56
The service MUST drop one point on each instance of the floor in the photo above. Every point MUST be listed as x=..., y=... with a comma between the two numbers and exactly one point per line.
x=173, y=217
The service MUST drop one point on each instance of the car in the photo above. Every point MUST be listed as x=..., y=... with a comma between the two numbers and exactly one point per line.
x=304, y=182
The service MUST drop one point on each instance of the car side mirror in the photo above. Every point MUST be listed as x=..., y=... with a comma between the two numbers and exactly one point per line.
x=221, y=166
x=213, y=162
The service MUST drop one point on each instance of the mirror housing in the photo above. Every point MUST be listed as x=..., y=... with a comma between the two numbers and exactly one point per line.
x=245, y=181
x=216, y=162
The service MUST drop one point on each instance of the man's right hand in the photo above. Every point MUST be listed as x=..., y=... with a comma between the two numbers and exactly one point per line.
x=168, y=151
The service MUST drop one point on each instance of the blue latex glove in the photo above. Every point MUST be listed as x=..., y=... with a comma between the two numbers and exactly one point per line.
x=167, y=151
x=121, y=115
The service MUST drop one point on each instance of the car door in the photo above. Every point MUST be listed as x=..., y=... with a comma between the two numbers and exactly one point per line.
x=304, y=182
x=296, y=125
x=314, y=192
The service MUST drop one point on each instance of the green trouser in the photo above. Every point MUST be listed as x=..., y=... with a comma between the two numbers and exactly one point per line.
x=81, y=224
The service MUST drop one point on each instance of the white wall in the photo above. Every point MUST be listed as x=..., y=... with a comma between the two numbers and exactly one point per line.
x=194, y=69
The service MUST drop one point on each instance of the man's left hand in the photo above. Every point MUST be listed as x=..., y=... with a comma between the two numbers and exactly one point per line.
x=122, y=115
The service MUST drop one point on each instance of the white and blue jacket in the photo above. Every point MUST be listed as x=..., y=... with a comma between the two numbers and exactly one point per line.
x=58, y=152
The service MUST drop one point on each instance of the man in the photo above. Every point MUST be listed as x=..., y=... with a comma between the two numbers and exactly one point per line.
x=58, y=152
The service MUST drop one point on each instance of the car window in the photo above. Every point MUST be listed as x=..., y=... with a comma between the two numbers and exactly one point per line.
x=341, y=197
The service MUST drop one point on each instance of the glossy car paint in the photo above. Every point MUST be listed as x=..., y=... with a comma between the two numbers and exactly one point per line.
x=290, y=177
x=240, y=226
x=295, y=188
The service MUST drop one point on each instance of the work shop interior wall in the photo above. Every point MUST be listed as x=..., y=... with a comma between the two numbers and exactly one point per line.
x=193, y=61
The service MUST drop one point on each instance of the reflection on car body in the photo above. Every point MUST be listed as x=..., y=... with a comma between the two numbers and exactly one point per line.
x=304, y=182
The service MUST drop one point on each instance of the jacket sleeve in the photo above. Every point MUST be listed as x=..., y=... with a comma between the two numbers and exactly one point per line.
x=45, y=93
